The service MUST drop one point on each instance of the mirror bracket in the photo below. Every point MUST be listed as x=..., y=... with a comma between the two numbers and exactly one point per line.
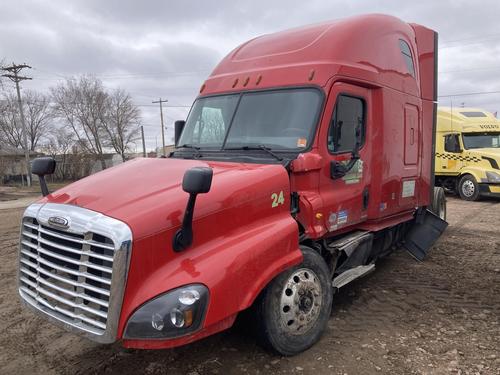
x=197, y=180
x=183, y=238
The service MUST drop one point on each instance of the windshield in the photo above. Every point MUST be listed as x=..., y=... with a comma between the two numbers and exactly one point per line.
x=481, y=140
x=279, y=120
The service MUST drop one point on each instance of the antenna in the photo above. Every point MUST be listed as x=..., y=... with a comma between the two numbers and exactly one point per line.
x=451, y=114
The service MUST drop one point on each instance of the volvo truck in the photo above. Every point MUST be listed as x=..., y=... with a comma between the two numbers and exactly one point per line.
x=468, y=152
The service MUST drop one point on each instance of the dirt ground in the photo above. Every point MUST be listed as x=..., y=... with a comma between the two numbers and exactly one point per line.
x=436, y=317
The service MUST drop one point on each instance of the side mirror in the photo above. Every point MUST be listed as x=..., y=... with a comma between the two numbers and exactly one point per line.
x=337, y=169
x=340, y=169
x=178, y=128
x=42, y=167
x=197, y=180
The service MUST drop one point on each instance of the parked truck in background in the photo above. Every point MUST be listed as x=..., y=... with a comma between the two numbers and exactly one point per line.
x=468, y=152
x=307, y=156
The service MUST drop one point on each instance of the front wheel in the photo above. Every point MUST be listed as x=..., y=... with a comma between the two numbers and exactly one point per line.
x=468, y=188
x=295, y=307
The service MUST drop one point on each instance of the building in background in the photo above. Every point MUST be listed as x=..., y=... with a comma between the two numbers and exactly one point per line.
x=12, y=165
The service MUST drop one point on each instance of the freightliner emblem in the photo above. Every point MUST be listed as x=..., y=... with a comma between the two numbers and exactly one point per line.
x=58, y=221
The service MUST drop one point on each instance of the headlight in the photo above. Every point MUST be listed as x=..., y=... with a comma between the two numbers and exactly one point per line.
x=493, y=177
x=175, y=313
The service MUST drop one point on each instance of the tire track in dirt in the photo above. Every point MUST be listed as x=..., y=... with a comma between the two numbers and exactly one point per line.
x=437, y=316
x=400, y=289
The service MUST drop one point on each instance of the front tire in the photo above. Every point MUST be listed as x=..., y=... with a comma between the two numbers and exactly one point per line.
x=468, y=188
x=294, y=309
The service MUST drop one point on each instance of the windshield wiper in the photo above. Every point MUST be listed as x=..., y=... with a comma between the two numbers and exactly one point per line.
x=195, y=148
x=256, y=147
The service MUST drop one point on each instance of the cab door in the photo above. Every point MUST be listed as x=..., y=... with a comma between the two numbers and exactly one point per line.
x=452, y=160
x=346, y=198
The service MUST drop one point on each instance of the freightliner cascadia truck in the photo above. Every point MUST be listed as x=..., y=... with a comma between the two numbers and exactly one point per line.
x=307, y=156
x=468, y=152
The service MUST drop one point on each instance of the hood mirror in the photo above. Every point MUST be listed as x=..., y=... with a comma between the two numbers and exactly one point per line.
x=197, y=180
x=42, y=167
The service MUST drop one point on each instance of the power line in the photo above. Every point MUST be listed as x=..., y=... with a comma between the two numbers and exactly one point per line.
x=469, y=38
x=136, y=93
x=126, y=75
x=166, y=106
x=469, y=94
x=469, y=70
x=481, y=41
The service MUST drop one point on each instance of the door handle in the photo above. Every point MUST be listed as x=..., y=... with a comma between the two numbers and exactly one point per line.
x=366, y=198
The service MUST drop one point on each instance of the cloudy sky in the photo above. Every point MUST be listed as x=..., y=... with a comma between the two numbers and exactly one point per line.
x=166, y=48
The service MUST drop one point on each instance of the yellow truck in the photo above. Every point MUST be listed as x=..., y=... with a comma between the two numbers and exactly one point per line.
x=468, y=152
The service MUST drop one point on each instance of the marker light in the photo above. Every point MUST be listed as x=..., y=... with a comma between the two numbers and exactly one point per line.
x=176, y=313
x=188, y=318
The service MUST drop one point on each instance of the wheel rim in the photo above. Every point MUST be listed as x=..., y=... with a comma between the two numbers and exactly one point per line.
x=442, y=209
x=301, y=302
x=468, y=188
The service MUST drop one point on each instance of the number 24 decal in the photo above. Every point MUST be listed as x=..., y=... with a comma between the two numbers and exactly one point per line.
x=277, y=199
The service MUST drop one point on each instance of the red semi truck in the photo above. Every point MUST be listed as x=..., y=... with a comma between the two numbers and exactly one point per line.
x=307, y=156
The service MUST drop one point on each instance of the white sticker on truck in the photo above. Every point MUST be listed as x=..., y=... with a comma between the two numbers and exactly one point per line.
x=408, y=189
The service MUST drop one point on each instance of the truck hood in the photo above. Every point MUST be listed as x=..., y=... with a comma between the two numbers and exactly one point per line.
x=488, y=152
x=491, y=154
x=147, y=193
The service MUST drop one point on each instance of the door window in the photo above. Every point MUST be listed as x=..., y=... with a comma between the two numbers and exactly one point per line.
x=348, y=120
x=451, y=143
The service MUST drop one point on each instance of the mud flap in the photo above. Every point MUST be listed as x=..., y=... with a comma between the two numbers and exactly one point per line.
x=425, y=231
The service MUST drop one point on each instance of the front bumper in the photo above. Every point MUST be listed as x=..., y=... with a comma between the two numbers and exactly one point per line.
x=180, y=341
x=489, y=190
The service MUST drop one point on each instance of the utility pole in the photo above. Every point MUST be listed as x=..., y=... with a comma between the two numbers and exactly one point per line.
x=162, y=127
x=143, y=142
x=13, y=75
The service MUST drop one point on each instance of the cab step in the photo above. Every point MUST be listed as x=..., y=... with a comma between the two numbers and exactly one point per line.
x=347, y=276
x=350, y=242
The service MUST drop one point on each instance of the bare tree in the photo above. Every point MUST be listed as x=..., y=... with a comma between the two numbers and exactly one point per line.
x=122, y=122
x=79, y=162
x=60, y=143
x=2, y=64
x=60, y=147
x=39, y=118
x=81, y=103
x=11, y=131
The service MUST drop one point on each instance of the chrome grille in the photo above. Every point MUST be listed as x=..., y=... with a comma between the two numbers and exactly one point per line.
x=71, y=274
